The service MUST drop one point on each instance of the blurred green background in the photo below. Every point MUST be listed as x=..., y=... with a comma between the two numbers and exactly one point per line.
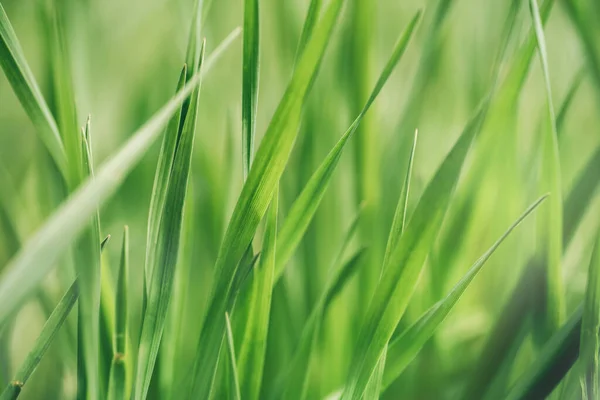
x=126, y=57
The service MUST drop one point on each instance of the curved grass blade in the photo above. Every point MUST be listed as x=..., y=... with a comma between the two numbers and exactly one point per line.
x=551, y=365
x=404, y=348
x=550, y=228
x=400, y=277
x=271, y=158
x=51, y=327
x=118, y=376
x=254, y=345
x=27, y=269
x=590, y=328
x=163, y=272
x=235, y=383
x=568, y=101
x=250, y=74
x=21, y=79
x=305, y=206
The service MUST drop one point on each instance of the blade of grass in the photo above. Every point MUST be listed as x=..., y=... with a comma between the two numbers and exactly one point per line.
x=550, y=229
x=163, y=271
x=271, y=158
x=304, y=207
x=550, y=366
x=21, y=79
x=400, y=276
x=27, y=269
x=254, y=345
x=250, y=74
x=312, y=16
x=90, y=375
x=117, y=383
x=404, y=348
x=235, y=383
x=43, y=342
x=590, y=327
x=161, y=181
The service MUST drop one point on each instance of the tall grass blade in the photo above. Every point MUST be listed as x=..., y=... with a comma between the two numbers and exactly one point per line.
x=404, y=348
x=304, y=207
x=271, y=158
x=117, y=384
x=250, y=75
x=163, y=271
x=43, y=342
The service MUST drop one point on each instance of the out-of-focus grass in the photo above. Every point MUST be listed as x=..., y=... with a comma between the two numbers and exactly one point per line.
x=311, y=313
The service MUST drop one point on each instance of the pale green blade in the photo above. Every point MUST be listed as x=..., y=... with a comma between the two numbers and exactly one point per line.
x=117, y=384
x=235, y=383
x=550, y=223
x=254, y=344
x=51, y=327
x=25, y=87
x=29, y=267
x=404, y=349
x=169, y=232
x=250, y=75
x=270, y=161
x=305, y=206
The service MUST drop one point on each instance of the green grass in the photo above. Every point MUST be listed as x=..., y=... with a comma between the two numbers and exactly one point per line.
x=290, y=237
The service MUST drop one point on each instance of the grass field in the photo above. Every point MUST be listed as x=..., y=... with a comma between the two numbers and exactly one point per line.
x=300, y=199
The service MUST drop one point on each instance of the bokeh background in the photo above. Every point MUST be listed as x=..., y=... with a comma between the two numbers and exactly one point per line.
x=126, y=57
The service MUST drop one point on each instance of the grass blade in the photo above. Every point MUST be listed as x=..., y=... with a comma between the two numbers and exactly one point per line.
x=27, y=269
x=254, y=345
x=312, y=16
x=404, y=267
x=163, y=272
x=51, y=327
x=268, y=166
x=21, y=79
x=117, y=382
x=305, y=206
x=404, y=348
x=551, y=222
x=550, y=366
x=235, y=383
x=250, y=68
x=590, y=327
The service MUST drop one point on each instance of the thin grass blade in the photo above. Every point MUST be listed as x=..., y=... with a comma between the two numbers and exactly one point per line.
x=235, y=383
x=43, y=342
x=250, y=74
x=118, y=376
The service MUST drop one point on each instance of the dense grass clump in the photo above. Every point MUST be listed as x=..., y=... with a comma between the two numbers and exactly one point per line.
x=318, y=199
